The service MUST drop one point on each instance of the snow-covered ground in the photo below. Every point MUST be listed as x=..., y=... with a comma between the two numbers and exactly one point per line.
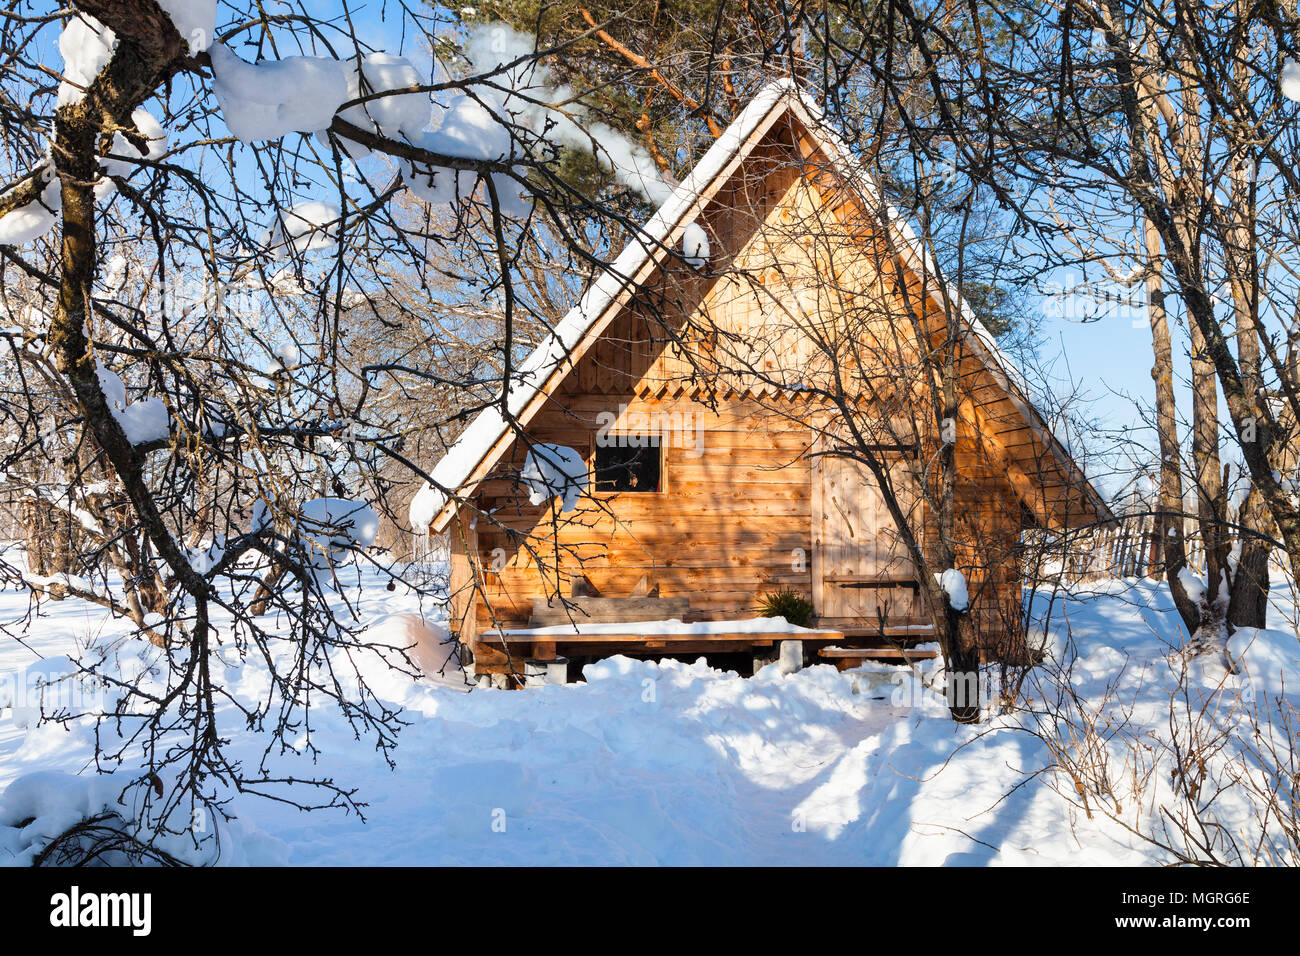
x=677, y=763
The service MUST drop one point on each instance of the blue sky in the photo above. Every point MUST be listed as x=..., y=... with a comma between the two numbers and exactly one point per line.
x=1109, y=356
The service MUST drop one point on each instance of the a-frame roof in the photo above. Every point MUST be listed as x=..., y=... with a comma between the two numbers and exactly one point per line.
x=491, y=433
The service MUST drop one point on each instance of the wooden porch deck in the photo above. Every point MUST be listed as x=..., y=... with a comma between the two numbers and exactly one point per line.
x=652, y=635
x=587, y=626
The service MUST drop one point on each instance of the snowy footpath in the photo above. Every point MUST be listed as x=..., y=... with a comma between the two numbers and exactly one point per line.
x=672, y=763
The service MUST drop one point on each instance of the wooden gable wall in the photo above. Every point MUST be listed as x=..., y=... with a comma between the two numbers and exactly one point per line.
x=734, y=518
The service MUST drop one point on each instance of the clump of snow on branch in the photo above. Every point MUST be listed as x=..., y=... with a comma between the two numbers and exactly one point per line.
x=144, y=421
x=1291, y=80
x=467, y=130
x=38, y=217
x=953, y=583
x=332, y=527
x=34, y=219
x=1192, y=584
x=470, y=130
x=122, y=154
x=695, y=246
x=86, y=46
x=493, y=46
x=383, y=112
x=204, y=558
x=287, y=356
x=304, y=227
x=554, y=470
x=262, y=516
x=195, y=21
x=270, y=98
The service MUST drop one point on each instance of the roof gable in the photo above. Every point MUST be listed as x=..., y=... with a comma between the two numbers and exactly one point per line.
x=491, y=433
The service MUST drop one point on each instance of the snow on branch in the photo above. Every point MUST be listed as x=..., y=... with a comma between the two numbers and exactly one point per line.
x=953, y=583
x=695, y=246
x=272, y=98
x=332, y=527
x=552, y=471
x=144, y=422
x=37, y=204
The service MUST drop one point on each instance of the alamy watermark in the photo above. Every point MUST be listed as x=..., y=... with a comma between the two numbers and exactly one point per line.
x=31, y=697
x=1085, y=300
x=626, y=428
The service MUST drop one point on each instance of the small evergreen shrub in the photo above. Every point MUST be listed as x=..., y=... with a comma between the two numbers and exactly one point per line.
x=791, y=605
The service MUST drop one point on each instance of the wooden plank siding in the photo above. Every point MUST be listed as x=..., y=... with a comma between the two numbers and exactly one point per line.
x=742, y=508
x=723, y=530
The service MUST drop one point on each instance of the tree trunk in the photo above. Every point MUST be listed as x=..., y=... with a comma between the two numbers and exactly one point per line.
x=1173, y=199
x=1248, y=604
x=961, y=650
x=1211, y=633
x=38, y=536
x=1248, y=600
x=1173, y=547
x=266, y=589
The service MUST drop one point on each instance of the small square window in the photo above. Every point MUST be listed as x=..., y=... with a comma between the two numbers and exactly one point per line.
x=622, y=465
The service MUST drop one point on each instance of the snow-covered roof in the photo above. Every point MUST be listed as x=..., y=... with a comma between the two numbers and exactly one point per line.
x=480, y=446
x=456, y=471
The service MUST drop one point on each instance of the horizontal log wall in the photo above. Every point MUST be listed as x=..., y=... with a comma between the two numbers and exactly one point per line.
x=722, y=532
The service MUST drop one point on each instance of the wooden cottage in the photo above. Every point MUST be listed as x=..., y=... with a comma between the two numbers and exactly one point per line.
x=720, y=388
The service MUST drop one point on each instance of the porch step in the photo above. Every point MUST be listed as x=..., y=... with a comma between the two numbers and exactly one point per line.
x=875, y=653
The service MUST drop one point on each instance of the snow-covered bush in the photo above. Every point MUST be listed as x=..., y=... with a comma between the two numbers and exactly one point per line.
x=1190, y=758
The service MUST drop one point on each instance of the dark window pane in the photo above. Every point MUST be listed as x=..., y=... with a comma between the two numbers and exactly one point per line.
x=623, y=468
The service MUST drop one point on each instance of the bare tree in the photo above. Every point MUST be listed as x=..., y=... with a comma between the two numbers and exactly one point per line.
x=218, y=410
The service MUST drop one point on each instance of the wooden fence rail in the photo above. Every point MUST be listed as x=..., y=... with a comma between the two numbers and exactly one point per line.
x=1132, y=546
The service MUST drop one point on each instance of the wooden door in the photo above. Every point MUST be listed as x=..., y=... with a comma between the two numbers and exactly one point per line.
x=861, y=569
